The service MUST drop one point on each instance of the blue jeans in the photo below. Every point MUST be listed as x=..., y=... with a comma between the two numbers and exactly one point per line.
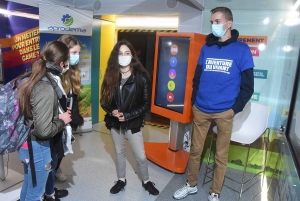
x=41, y=158
x=50, y=181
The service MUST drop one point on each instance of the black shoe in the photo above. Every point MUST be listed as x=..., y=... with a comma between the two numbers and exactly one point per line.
x=149, y=186
x=119, y=186
x=50, y=198
x=60, y=193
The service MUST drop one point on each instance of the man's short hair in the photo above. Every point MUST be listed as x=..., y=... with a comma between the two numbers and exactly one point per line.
x=226, y=12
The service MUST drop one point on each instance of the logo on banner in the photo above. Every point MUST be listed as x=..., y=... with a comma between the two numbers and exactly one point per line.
x=67, y=20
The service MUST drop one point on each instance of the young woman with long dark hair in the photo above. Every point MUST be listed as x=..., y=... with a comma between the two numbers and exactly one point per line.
x=125, y=96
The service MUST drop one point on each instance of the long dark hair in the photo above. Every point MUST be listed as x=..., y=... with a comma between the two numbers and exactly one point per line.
x=54, y=52
x=71, y=41
x=112, y=75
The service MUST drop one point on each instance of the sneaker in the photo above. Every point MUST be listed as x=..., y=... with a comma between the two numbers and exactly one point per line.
x=52, y=198
x=185, y=191
x=149, y=186
x=60, y=193
x=119, y=186
x=213, y=197
x=59, y=175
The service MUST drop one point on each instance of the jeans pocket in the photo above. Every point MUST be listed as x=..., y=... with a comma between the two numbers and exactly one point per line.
x=23, y=155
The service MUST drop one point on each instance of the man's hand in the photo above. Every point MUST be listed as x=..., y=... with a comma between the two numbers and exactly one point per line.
x=232, y=112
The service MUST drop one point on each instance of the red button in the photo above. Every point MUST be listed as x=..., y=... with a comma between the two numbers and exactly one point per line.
x=170, y=97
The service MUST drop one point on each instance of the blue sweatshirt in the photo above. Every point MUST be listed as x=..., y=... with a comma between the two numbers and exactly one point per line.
x=223, y=78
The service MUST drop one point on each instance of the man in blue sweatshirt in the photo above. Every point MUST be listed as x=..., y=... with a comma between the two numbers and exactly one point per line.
x=223, y=83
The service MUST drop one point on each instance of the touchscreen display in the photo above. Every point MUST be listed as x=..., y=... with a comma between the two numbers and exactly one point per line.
x=171, y=72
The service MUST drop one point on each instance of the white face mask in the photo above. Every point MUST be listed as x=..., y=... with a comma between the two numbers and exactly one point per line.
x=124, y=60
x=65, y=70
x=217, y=30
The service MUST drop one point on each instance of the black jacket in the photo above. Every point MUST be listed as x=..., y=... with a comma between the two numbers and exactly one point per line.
x=247, y=82
x=77, y=119
x=134, y=102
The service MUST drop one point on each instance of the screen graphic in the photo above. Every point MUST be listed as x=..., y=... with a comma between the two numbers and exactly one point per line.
x=171, y=72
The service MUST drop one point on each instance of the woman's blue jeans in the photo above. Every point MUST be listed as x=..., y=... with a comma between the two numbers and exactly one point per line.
x=50, y=180
x=41, y=158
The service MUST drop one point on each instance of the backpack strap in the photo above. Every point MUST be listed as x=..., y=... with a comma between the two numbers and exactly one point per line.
x=31, y=161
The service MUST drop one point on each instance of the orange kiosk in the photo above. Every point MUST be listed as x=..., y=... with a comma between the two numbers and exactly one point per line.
x=176, y=56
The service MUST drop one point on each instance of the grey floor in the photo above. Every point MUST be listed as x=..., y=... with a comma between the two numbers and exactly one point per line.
x=91, y=173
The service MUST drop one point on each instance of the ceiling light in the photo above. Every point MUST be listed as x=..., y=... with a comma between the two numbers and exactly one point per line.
x=296, y=5
x=292, y=19
x=261, y=46
x=267, y=20
x=287, y=48
x=8, y=13
x=147, y=22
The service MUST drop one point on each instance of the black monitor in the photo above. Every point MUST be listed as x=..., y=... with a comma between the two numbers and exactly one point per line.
x=172, y=65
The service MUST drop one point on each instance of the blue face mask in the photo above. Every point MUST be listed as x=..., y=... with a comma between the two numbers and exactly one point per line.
x=217, y=30
x=74, y=59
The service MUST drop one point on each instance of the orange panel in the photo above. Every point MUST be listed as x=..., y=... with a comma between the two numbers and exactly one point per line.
x=196, y=43
x=160, y=154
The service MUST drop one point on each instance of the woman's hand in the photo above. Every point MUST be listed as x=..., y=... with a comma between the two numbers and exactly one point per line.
x=66, y=117
x=118, y=114
x=115, y=113
x=121, y=116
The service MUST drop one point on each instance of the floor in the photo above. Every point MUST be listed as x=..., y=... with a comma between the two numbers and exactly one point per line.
x=91, y=173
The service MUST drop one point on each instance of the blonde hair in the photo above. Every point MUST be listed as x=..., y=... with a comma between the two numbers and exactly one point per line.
x=75, y=77
x=71, y=41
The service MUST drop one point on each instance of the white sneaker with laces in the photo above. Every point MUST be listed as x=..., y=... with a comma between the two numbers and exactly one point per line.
x=185, y=191
x=59, y=175
x=213, y=197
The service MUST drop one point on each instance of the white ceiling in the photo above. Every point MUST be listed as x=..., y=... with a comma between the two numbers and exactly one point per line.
x=251, y=4
x=98, y=6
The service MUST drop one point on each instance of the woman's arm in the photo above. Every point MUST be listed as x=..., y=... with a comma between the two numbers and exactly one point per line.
x=42, y=103
x=77, y=119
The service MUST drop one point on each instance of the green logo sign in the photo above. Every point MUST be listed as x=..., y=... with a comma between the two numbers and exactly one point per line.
x=67, y=20
x=260, y=74
x=255, y=96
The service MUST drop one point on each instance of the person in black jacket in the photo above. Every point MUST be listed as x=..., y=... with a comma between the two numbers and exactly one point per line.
x=71, y=84
x=125, y=96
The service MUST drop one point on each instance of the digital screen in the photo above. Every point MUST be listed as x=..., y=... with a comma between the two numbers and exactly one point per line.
x=171, y=72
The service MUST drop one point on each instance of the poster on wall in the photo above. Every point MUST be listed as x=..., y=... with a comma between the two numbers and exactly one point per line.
x=78, y=23
x=19, y=40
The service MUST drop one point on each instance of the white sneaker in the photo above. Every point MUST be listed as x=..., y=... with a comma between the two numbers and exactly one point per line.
x=213, y=197
x=59, y=175
x=184, y=191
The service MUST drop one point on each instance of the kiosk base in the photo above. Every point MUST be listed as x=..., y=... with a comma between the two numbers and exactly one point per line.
x=160, y=154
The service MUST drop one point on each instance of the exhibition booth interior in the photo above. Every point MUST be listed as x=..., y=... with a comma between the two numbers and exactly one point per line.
x=167, y=36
